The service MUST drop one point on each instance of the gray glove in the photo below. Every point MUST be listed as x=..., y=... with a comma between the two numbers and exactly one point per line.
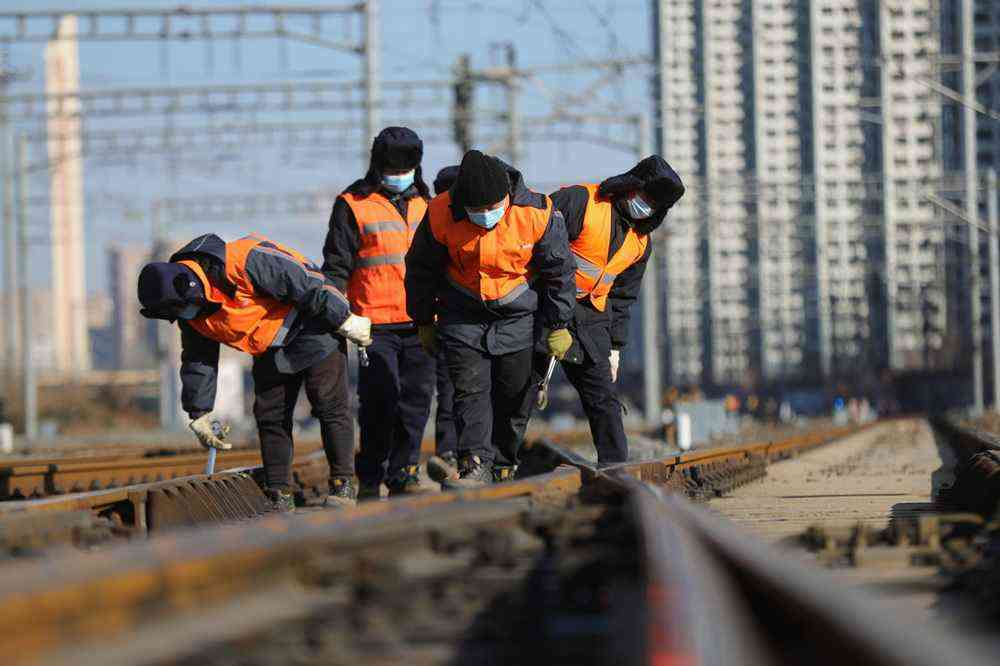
x=210, y=431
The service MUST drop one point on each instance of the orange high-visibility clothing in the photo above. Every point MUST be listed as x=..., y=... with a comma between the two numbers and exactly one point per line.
x=375, y=288
x=595, y=272
x=489, y=265
x=247, y=320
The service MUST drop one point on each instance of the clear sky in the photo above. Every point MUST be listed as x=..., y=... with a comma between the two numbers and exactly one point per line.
x=421, y=39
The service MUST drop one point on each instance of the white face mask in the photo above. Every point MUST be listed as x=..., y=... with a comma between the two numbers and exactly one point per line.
x=638, y=209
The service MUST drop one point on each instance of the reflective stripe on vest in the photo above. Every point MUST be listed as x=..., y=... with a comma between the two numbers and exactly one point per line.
x=375, y=287
x=595, y=273
x=248, y=321
x=489, y=266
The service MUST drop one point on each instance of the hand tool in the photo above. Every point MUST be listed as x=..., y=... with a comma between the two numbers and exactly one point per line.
x=363, y=357
x=543, y=386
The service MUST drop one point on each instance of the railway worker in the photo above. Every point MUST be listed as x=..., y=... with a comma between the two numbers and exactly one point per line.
x=445, y=437
x=608, y=226
x=467, y=288
x=262, y=298
x=371, y=227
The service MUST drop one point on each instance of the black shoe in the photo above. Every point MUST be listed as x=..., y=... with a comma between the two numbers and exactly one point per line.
x=407, y=482
x=442, y=467
x=503, y=473
x=343, y=493
x=282, y=500
x=369, y=491
x=473, y=473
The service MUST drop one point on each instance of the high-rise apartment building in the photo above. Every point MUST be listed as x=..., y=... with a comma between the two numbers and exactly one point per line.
x=806, y=246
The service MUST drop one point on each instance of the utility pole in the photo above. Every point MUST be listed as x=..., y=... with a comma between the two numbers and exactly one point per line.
x=8, y=76
x=371, y=57
x=652, y=388
x=513, y=109
x=991, y=208
x=462, y=109
x=972, y=198
x=29, y=386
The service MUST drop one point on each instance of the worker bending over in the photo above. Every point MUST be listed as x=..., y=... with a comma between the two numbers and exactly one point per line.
x=371, y=227
x=470, y=266
x=609, y=227
x=259, y=297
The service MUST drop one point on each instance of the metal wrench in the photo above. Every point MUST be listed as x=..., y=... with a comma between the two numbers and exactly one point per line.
x=363, y=357
x=543, y=386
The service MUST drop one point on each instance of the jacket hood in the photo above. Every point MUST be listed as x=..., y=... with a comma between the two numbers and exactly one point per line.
x=656, y=179
x=208, y=245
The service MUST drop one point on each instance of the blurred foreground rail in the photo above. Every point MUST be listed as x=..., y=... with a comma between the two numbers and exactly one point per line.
x=573, y=565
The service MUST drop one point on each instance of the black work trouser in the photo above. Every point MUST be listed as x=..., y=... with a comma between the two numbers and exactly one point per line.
x=395, y=392
x=492, y=400
x=275, y=395
x=592, y=381
x=445, y=437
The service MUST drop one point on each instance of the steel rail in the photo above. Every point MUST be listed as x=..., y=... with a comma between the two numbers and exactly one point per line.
x=709, y=595
x=37, y=478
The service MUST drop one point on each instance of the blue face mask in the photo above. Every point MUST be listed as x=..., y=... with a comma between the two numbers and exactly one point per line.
x=189, y=312
x=398, y=183
x=487, y=219
x=638, y=209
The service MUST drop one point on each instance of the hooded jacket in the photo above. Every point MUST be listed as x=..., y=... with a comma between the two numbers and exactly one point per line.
x=312, y=308
x=495, y=329
x=657, y=179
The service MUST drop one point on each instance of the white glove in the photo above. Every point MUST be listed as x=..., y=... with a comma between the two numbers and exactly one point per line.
x=357, y=329
x=614, y=358
x=210, y=432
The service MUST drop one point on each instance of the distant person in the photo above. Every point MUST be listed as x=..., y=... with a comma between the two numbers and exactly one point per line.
x=371, y=228
x=467, y=287
x=609, y=226
x=269, y=301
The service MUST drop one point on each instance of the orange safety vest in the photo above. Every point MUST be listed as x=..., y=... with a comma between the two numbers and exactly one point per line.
x=595, y=273
x=489, y=265
x=375, y=288
x=248, y=321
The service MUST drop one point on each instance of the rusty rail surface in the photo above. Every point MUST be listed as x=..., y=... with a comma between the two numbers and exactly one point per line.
x=579, y=565
x=37, y=478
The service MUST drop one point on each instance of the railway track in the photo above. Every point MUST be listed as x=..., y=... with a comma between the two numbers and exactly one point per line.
x=574, y=565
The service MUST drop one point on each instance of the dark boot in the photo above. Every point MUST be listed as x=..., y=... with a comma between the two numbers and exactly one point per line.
x=282, y=500
x=407, y=482
x=473, y=473
x=368, y=492
x=343, y=493
x=442, y=467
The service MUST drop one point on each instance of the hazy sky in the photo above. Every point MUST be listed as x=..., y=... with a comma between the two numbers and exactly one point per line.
x=421, y=39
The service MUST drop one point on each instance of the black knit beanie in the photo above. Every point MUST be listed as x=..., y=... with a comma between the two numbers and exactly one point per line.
x=482, y=180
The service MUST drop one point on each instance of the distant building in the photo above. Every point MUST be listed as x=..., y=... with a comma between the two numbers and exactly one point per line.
x=805, y=246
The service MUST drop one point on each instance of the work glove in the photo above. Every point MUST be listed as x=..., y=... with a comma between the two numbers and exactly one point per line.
x=613, y=359
x=357, y=329
x=211, y=432
x=559, y=342
x=428, y=338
